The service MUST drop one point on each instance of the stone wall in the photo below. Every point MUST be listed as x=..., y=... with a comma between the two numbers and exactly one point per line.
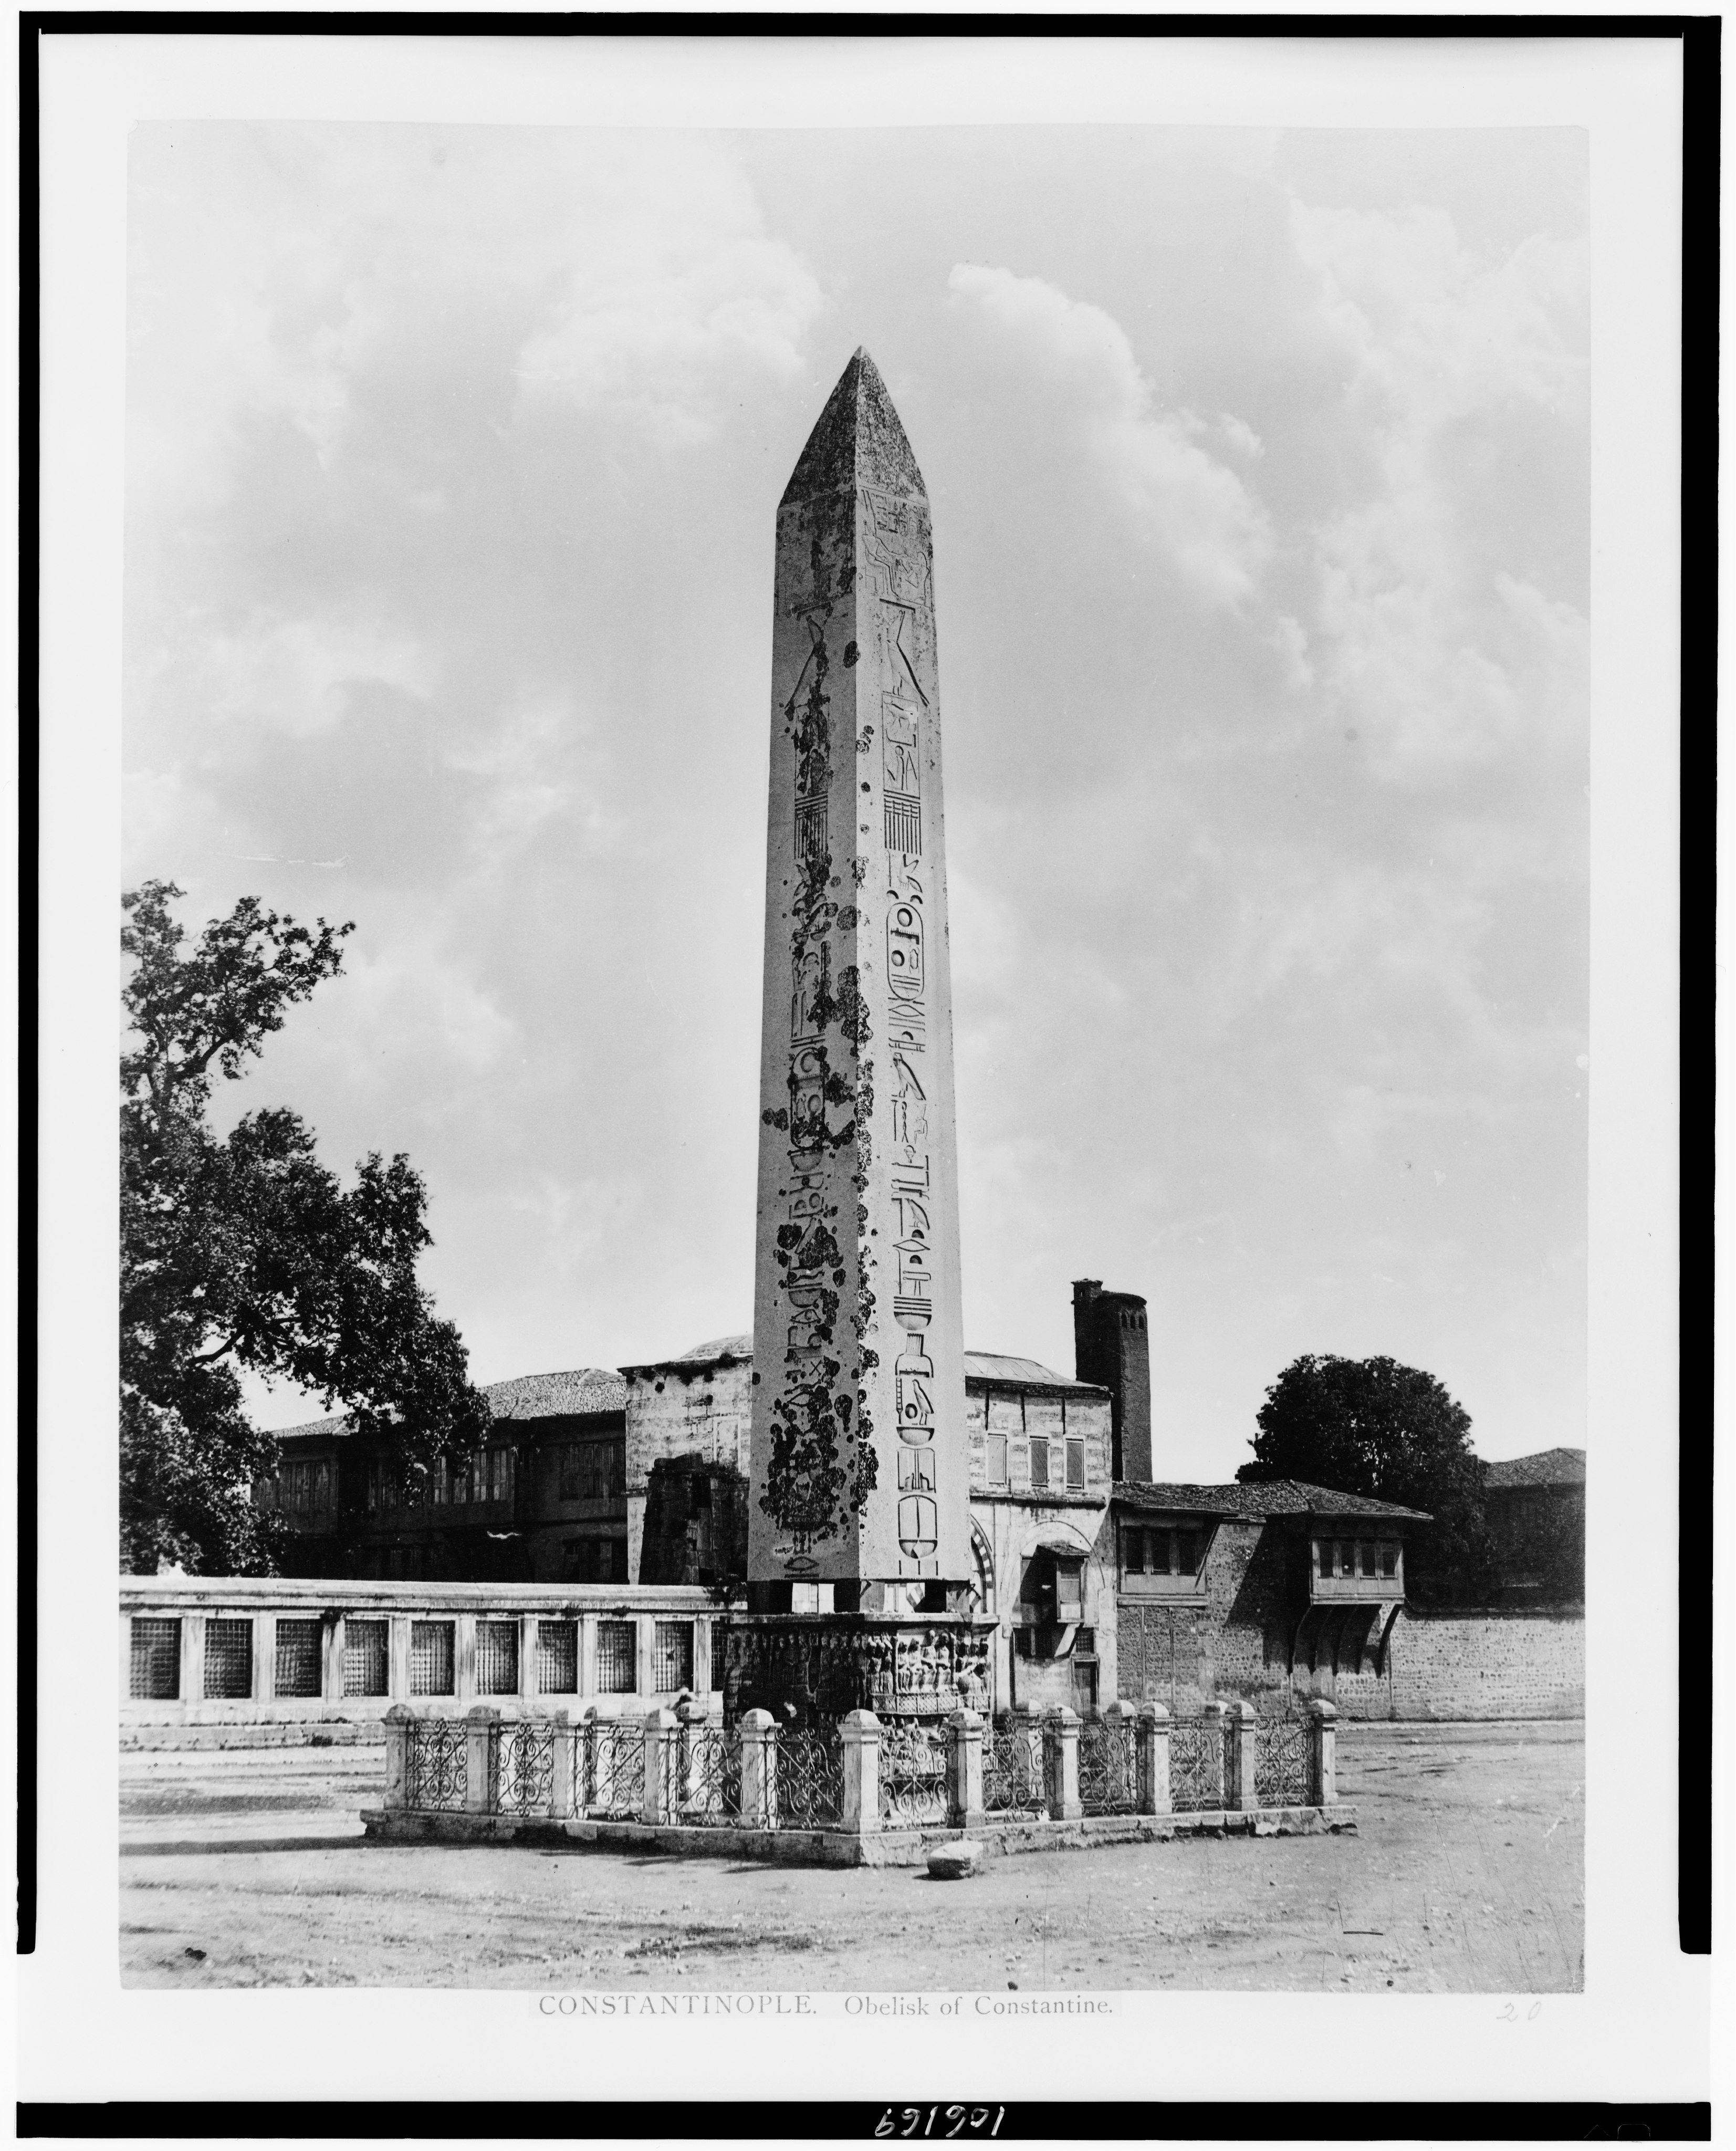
x=1519, y=1663
x=680, y=1409
x=1495, y=1664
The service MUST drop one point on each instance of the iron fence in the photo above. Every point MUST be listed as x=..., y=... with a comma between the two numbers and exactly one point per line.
x=436, y=1768
x=1281, y=1759
x=913, y=1775
x=1013, y=1782
x=710, y=1788
x=1196, y=1772
x=1108, y=1769
x=808, y=1768
x=524, y=1770
x=614, y=1787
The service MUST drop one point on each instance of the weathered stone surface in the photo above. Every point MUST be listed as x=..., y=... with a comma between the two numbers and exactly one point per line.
x=859, y=1461
x=955, y=1863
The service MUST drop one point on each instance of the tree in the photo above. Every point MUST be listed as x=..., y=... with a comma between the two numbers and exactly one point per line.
x=1393, y=1434
x=244, y=1252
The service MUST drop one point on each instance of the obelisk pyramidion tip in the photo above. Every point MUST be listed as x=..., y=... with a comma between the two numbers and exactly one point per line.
x=857, y=440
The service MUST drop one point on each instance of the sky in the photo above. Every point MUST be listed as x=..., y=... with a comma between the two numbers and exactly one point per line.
x=1259, y=469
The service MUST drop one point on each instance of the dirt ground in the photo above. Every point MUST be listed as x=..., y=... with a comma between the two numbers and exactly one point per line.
x=247, y=1869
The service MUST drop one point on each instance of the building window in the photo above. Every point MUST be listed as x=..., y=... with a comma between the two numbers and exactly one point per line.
x=1068, y=1590
x=228, y=1659
x=155, y=1661
x=431, y=1658
x=497, y=1657
x=1076, y=1466
x=593, y=1470
x=296, y=1670
x=1388, y=1561
x=1187, y=1553
x=365, y=1657
x=1366, y=1564
x=672, y=1656
x=1133, y=1552
x=1038, y=1464
x=995, y=1459
x=438, y=1488
x=617, y=1658
x=1347, y=1558
x=500, y=1475
x=596, y=1560
x=557, y=1657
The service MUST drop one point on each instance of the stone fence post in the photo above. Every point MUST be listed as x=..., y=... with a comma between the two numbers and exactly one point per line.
x=481, y=1723
x=1323, y=1766
x=400, y=1722
x=759, y=1771
x=561, y=1777
x=1060, y=1764
x=584, y=1759
x=1243, y=1790
x=662, y=1761
x=1151, y=1738
x=691, y=1715
x=965, y=1771
x=1211, y=1718
x=860, y=1733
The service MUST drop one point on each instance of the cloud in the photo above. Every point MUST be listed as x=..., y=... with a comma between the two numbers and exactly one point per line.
x=1199, y=513
x=281, y=269
x=1420, y=634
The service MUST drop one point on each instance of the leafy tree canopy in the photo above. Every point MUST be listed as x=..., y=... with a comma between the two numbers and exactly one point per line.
x=244, y=1252
x=1393, y=1434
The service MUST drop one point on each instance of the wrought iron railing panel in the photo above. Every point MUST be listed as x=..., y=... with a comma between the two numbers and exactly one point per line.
x=913, y=1775
x=710, y=1788
x=809, y=1768
x=524, y=1767
x=438, y=1765
x=1197, y=1775
x=1281, y=1762
x=1013, y=1769
x=1108, y=1769
x=614, y=1770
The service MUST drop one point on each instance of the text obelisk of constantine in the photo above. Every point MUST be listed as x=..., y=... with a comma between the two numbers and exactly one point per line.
x=859, y=1461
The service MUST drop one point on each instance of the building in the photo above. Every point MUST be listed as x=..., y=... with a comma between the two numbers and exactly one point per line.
x=545, y=1501
x=1243, y=1591
x=1535, y=1507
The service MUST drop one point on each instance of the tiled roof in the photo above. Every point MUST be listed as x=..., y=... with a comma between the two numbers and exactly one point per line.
x=1549, y=1467
x=578, y=1391
x=715, y=1352
x=1002, y=1367
x=1271, y=1497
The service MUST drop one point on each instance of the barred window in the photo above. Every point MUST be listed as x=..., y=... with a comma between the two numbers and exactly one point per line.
x=156, y=1661
x=365, y=1657
x=296, y=1667
x=557, y=1657
x=431, y=1658
x=228, y=1659
x=617, y=1658
x=593, y=1470
x=995, y=1459
x=1040, y=1463
x=497, y=1657
x=1076, y=1466
x=672, y=1656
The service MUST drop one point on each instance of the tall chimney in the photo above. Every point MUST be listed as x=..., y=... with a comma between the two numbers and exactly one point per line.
x=1110, y=1347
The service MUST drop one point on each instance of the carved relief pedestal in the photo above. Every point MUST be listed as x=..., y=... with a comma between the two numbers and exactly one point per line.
x=814, y=1669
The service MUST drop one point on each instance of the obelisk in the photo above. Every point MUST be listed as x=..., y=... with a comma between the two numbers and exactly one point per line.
x=859, y=1478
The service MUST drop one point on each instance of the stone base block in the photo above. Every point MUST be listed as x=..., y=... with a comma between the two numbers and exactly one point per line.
x=815, y=1669
x=822, y=1848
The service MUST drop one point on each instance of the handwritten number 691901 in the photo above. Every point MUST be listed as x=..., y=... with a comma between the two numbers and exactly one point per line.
x=918, y=2120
